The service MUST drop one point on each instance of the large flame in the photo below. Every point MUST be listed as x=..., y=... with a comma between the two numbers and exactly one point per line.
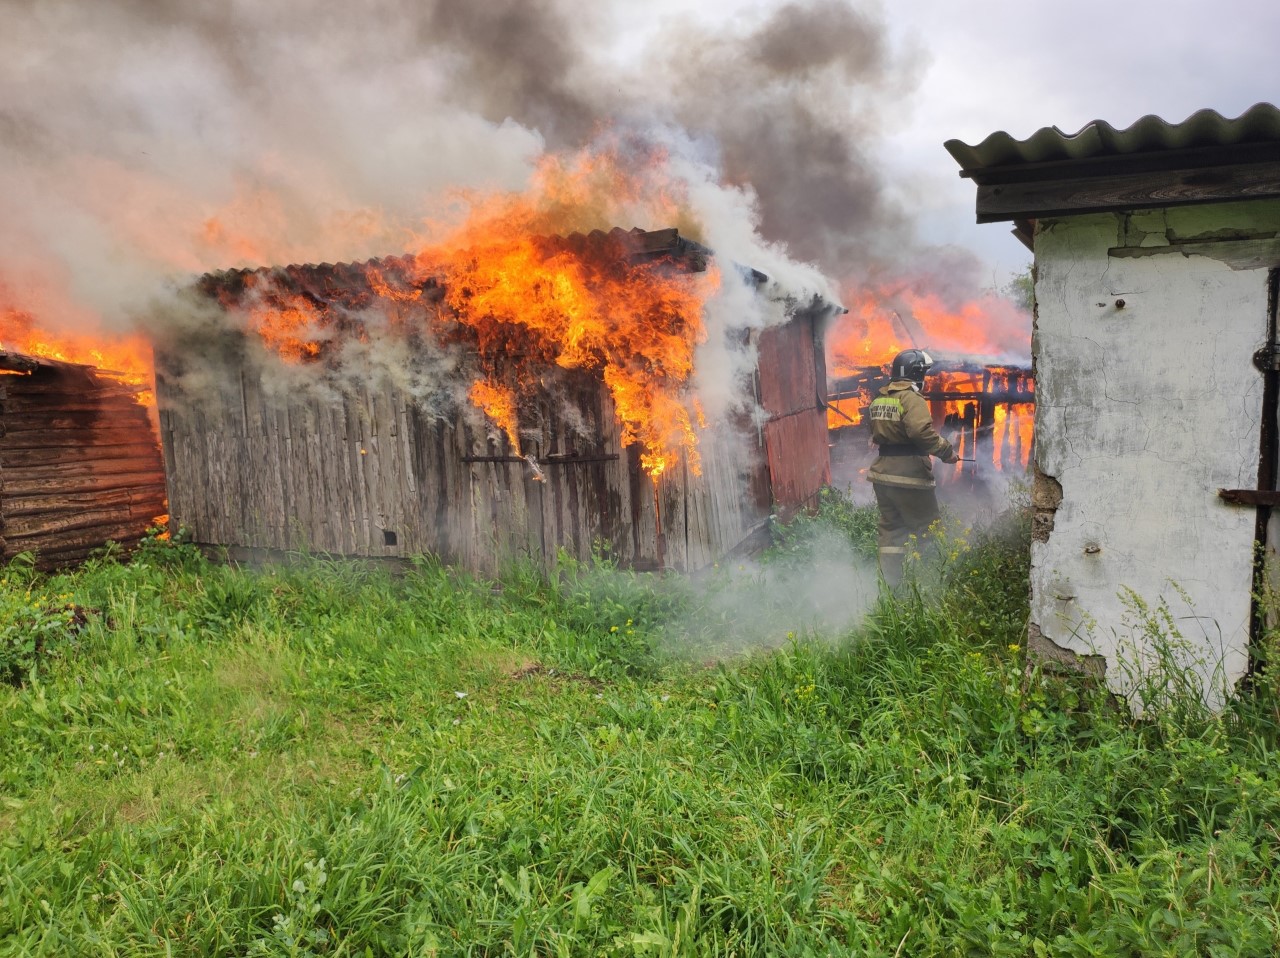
x=527, y=300
x=593, y=306
x=637, y=324
x=981, y=384
x=126, y=358
x=883, y=321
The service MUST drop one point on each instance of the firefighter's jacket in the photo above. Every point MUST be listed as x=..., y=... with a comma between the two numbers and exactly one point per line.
x=902, y=426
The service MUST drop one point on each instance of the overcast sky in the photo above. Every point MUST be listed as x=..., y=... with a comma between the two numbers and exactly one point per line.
x=1019, y=66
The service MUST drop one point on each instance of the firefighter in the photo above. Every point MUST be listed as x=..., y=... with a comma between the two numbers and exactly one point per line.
x=902, y=475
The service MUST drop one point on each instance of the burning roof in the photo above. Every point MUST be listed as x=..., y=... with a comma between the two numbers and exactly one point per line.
x=624, y=305
x=126, y=358
x=579, y=350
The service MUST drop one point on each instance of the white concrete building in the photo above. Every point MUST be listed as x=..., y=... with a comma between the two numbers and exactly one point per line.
x=1157, y=261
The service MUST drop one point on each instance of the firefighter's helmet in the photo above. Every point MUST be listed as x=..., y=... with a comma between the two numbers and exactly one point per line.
x=913, y=364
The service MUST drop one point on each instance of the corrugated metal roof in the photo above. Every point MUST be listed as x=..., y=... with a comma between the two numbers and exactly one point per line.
x=1151, y=134
x=637, y=243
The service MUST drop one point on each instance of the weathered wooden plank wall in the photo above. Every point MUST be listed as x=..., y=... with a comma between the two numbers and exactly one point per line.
x=793, y=388
x=79, y=462
x=372, y=474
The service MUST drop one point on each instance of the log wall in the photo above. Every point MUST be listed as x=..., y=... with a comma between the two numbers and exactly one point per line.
x=79, y=462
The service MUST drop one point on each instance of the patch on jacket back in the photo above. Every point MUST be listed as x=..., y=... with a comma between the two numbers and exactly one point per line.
x=885, y=408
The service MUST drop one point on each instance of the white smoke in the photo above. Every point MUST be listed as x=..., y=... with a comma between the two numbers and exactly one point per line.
x=142, y=141
x=821, y=589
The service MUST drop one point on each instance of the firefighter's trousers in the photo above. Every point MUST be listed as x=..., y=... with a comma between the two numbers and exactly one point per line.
x=905, y=511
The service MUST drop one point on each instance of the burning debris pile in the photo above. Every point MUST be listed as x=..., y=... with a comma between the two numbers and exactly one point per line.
x=514, y=399
x=986, y=411
x=981, y=392
x=79, y=464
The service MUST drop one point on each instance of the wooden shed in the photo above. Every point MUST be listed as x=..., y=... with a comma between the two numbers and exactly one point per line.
x=80, y=465
x=369, y=470
x=1157, y=377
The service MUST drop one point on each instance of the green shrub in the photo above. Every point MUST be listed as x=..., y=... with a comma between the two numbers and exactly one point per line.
x=987, y=594
x=835, y=515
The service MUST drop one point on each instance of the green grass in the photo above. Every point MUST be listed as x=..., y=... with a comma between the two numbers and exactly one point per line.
x=320, y=759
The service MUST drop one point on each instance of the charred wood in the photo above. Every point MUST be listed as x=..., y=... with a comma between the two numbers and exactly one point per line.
x=47, y=503
x=140, y=452
x=79, y=462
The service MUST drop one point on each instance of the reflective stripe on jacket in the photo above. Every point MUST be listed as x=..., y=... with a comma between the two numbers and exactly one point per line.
x=900, y=417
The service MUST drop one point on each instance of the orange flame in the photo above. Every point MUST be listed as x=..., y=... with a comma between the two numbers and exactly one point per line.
x=884, y=321
x=591, y=306
x=290, y=324
x=526, y=300
x=637, y=324
x=499, y=404
x=125, y=358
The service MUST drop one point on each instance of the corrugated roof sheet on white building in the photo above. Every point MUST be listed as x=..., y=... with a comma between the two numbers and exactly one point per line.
x=1260, y=124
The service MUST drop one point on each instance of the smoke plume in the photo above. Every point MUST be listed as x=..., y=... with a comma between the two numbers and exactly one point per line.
x=145, y=141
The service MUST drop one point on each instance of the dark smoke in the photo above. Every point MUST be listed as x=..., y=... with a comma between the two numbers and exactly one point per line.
x=523, y=59
x=792, y=104
x=799, y=99
x=143, y=139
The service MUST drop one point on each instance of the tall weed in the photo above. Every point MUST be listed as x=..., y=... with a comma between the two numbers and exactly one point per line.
x=329, y=760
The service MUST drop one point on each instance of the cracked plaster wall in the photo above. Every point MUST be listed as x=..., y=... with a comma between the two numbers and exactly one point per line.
x=1147, y=403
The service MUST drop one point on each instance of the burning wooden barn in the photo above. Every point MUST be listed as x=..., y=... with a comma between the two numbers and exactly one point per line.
x=585, y=446
x=79, y=462
x=1157, y=453
x=986, y=410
